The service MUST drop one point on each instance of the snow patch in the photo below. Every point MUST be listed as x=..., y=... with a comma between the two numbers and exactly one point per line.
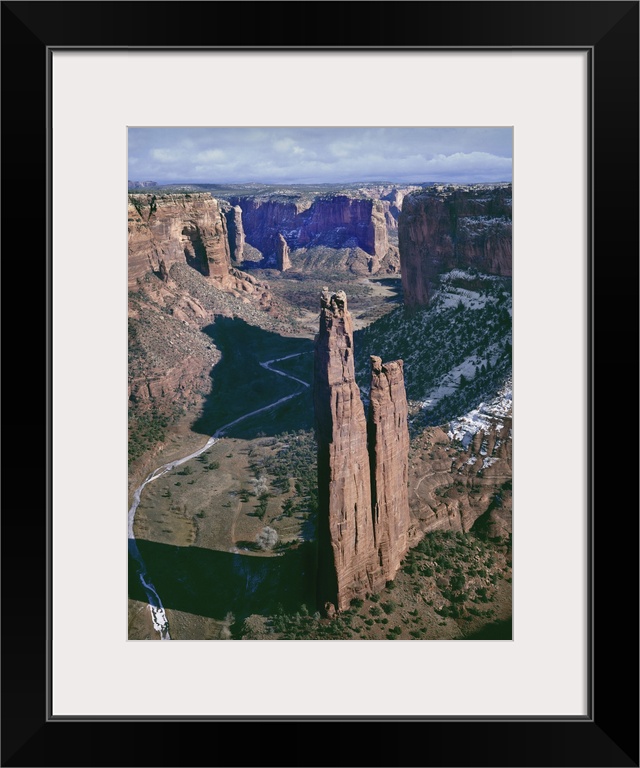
x=483, y=417
x=451, y=381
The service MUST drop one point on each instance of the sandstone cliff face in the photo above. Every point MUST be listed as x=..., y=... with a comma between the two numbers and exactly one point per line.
x=389, y=456
x=464, y=228
x=337, y=221
x=282, y=254
x=177, y=229
x=192, y=229
x=362, y=473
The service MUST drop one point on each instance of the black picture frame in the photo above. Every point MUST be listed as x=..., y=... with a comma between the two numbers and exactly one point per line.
x=608, y=736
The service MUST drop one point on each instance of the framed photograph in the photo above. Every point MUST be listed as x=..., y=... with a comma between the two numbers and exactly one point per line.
x=564, y=80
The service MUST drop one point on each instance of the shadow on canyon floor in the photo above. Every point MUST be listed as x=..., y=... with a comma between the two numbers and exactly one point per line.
x=240, y=385
x=394, y=284
x=497, y=630
x=211, y=583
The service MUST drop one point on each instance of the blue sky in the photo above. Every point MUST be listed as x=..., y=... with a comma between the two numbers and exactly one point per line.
x=312, y=155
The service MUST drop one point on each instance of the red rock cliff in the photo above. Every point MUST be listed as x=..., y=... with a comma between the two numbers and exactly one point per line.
x=177, y=228
x=192, y=229
x=362, y=473
x=439, y=230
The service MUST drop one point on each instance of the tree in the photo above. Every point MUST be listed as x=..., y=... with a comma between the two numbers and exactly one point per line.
x=267, y=538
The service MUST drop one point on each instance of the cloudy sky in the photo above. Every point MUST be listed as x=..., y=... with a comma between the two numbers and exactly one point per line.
x=311, y=155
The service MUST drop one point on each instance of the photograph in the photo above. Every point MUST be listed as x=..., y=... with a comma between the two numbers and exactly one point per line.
x=320, y=383
x=295, y=368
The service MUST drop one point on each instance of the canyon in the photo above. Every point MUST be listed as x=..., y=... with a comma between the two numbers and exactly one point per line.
x=363, y=515
x=442, y=228
x=336, y=454
x=180, y=278
x=306, y=222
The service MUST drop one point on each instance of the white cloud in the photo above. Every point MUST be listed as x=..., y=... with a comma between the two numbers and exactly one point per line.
x=165, y=155
x=211, y=156
x=321, y=154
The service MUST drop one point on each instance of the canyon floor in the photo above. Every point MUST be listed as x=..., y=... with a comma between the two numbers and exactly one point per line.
x=228, y=538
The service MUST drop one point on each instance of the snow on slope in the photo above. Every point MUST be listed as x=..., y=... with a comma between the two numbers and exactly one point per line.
x=483, y=417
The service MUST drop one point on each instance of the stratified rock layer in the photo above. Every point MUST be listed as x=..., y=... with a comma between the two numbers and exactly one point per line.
x=175, y=229
x=439, y=230
x=192, y=229
x=362, y=473
x=337, y=221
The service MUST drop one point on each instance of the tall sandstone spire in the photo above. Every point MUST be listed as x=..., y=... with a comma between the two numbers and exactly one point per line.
x=362, y=468
x=389, y=457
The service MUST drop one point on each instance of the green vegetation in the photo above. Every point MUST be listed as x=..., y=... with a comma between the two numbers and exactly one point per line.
x=295, y=460
x=146, y=429
x=434, y=341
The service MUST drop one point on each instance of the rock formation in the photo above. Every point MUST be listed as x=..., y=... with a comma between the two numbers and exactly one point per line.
x=177, y=228
x=163, y=271
x=180, y=279
x=282, y=254
x=362, y=469
x=236, y=234
x=439, y=229
x=336, y=221
x=192, y=229
x=389, y=460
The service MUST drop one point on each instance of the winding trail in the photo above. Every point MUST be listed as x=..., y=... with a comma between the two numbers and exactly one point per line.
x=158, y=615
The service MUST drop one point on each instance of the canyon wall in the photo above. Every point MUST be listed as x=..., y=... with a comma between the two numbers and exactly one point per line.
x=336, y=221
x=440, y=229
x=177, y=229
x=188, y=229
x=180, y=279
x=363, y=514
